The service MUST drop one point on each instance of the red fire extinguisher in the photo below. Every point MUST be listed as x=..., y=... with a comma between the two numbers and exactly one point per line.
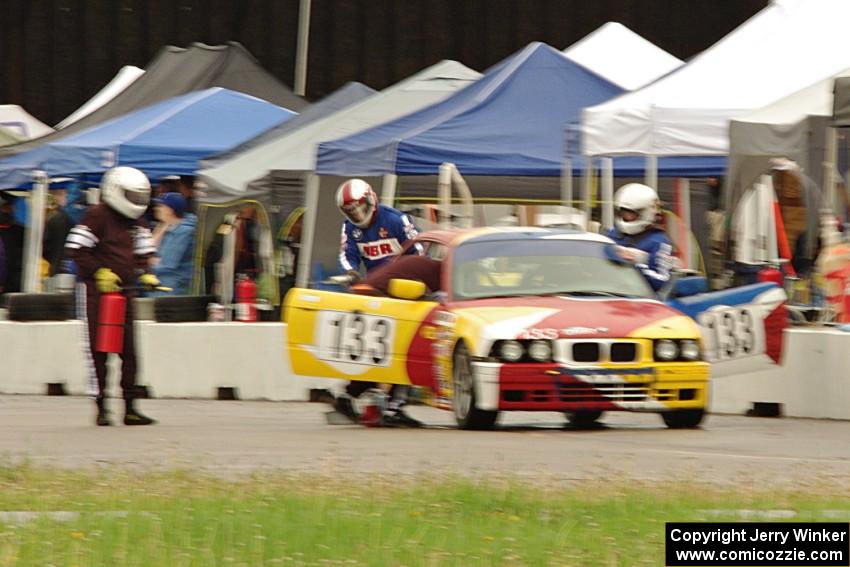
x=246, y=299
x=110, y=322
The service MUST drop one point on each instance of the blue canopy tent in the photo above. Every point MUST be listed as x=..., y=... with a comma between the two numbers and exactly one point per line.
x=167, y=138
x=512, y=122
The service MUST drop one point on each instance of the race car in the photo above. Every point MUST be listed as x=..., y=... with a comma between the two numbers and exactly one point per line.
x=534, y=320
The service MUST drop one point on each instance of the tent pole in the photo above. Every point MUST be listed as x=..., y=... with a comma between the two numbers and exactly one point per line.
x=465, y=198
x=311, y=204
x=651, y=174
x=685, y=221
x=567, y=183
x=588, y=180
x=607, y=193
x=388, y=189
x=444, y=193
x=34, y=233
x=301, y=48
x=829, y=230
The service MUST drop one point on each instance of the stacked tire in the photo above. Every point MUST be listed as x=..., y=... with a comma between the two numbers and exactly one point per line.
x=40, y=306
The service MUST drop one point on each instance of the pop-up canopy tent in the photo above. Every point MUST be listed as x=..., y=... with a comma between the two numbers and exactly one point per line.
x=176, y=71
x=21, y=123
x=280, y=167
x=8, y=137
x=786, y=46
x=794, y=128
x=167, y=138
x=622, y=57
x=123, y=79
x=509, y=128
x=345, y=96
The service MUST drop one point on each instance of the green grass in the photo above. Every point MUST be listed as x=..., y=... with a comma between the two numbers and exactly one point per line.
x=182, y=518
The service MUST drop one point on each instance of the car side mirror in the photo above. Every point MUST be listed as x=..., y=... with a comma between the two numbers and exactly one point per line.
x=406, y=289
x=688, y=286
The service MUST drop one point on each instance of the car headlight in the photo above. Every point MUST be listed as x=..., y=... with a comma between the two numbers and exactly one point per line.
x=540, y=351
x=666, y=349
x=511, y=351
x=689, y=350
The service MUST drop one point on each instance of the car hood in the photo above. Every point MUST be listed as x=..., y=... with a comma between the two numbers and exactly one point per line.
x=568, y=317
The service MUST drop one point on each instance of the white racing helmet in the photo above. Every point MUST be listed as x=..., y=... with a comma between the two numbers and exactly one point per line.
x=126, y=190
x=639, y=204
x=357, y=202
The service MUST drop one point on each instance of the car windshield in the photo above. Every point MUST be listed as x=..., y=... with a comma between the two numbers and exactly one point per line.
x=543, y=267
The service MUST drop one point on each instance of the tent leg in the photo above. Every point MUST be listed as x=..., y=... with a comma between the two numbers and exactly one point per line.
x=567, y=183
x=588, y=181
x=388, y=189
x=651, y=174
x=607, y=193
x=305, y=258
x=34, y=234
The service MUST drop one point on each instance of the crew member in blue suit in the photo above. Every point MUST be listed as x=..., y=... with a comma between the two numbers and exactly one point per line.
x=638, y=232
x=372, y=234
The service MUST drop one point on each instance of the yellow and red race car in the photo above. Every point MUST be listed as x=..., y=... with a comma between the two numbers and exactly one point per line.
x=526, y=319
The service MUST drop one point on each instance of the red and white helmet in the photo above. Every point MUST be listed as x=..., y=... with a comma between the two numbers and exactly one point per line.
x=357, y=202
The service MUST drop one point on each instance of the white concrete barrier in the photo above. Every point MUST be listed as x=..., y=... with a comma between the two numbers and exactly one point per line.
x=175, y=360
x=192, y=360
x=814, y=380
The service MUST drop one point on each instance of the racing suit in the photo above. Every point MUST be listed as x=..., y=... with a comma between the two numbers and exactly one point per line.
x=374, y=246
x=377, y=243
x=656, y=261
x=106, y=239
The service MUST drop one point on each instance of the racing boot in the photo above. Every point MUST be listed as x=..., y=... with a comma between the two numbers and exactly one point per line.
x=132, y=416
x=399, y=418
x=102, y=418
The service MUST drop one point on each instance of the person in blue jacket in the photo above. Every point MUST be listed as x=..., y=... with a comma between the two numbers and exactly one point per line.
x=372, y=234
x=174, y=238
x=642, y=241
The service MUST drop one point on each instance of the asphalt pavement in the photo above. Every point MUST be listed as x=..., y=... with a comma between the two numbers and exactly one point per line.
x=236, y=437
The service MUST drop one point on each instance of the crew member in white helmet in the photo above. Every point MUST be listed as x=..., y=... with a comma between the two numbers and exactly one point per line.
x=110, y=246
x=642, y=241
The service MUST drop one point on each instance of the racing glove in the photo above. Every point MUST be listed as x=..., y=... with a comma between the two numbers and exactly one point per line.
x=149, y=281
x=106, y=280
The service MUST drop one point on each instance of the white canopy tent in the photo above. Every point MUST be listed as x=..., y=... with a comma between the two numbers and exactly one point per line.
x=123, y=79
x=788, y=45
x=21, y=123
x=794, y=127
x=296, y=151
x=621, y=56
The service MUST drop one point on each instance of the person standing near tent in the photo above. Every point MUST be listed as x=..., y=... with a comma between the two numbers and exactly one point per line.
x=642, y=240
x=372, y=234
x=109, y=246
x=174, y=238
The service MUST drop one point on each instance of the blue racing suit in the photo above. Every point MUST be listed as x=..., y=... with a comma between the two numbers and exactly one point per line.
x=377, y=243
x=658, y=251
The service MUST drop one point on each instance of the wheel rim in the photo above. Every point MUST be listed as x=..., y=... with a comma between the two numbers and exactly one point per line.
x=462, y=393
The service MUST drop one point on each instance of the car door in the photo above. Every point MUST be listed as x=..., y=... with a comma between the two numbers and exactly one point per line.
x=351, y=336
x=742, y=327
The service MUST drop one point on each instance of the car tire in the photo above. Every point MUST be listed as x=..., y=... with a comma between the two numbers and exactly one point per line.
x=583, y=419
x=683, y=419
x=40, y=306
x=463, y=394
x=181, y=308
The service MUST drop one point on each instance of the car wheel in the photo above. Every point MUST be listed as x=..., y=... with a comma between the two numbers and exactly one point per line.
x=683, y=419
x=463, y=394
x=583, y=419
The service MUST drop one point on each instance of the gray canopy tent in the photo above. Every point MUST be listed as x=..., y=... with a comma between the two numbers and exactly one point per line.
x=176, y=71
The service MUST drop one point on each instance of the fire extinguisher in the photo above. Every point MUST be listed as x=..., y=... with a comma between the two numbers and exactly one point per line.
x=110, y=322
x=246, y=299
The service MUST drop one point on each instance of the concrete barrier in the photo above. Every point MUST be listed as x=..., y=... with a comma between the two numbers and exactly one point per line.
x=814, y=380
x=193, y=360
x=176, y=360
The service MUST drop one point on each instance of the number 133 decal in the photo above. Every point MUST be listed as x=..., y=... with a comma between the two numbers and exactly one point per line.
x=731, y=332
x=355, y=338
